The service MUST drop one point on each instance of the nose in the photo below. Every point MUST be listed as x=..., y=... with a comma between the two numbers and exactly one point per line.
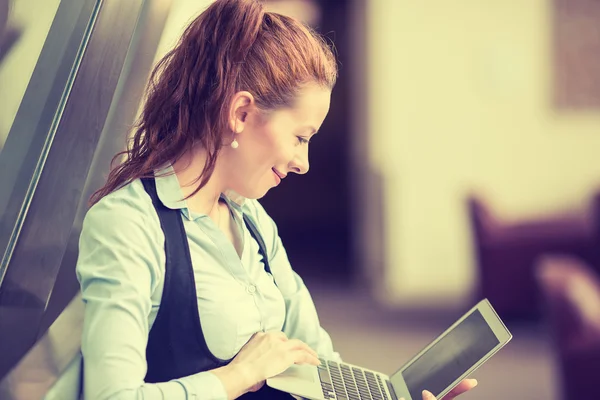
x=300, y=165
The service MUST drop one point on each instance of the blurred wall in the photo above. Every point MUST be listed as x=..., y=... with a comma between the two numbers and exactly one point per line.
x=181, y=14
x=459, y=99
x=17, y=66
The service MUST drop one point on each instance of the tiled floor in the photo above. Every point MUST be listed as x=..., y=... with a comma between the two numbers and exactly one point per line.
x=365, y=335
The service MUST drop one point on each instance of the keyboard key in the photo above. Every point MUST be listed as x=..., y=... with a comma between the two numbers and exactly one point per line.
x=341, y=382
x=324, y=375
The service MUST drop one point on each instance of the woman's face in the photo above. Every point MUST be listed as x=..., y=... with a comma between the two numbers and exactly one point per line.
x=273, y=144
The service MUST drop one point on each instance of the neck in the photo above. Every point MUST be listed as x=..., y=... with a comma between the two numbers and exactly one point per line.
x=187, y=169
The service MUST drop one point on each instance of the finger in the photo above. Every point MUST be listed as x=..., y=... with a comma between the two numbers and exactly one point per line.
x=304, y=357
x=298, y=344
x=462, y=387
x=427, y=395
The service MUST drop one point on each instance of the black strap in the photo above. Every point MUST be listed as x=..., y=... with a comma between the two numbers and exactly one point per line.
x=262, y=249
x=176, y=345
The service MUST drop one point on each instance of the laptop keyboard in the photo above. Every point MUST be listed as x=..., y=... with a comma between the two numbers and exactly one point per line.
x=343, y=382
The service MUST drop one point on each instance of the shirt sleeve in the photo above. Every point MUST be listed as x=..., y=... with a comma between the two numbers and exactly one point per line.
x=301, y=321
x=118, y=269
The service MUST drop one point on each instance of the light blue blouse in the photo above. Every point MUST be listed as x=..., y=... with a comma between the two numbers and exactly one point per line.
x=121, y=270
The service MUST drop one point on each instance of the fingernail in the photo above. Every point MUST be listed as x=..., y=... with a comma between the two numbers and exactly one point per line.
x=475, y=382
x=428, y=395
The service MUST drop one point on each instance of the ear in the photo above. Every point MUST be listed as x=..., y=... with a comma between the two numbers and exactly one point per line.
x=241, y=104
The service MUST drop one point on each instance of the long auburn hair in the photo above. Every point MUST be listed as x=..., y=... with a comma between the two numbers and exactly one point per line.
x=233, y=45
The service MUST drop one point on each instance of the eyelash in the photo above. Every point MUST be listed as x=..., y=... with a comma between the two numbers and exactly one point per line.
x=302, y=140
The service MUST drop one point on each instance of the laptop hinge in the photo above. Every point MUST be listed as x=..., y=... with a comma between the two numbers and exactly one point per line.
x=391, y=389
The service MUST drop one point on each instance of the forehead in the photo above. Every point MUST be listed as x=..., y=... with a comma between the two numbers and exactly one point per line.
x=311, y=105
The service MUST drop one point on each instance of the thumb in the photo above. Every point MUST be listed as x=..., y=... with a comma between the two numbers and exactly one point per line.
x=427, y=395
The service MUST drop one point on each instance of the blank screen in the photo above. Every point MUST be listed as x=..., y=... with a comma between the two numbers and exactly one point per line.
x=451, y=357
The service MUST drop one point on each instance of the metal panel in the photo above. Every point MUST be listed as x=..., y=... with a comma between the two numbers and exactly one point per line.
x=46, y=229
x=30, y=135
x=124, y=108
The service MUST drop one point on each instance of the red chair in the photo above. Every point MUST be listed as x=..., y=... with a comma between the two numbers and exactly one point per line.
x=506, y=255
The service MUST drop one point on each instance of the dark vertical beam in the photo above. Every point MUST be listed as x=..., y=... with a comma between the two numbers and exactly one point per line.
x=313, y=211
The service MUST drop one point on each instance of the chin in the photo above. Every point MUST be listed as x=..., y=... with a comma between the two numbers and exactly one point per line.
x=252, y=194
x=257, y=195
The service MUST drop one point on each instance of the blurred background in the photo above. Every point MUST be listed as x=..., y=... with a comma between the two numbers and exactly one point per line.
x=459, y=161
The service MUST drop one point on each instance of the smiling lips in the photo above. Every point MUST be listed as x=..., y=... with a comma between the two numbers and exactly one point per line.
x=278, y=176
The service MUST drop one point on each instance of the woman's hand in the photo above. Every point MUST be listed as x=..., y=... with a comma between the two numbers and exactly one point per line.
x=269, y=354
x=462, y=387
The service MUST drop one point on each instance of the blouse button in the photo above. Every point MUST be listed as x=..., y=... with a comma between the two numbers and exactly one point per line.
x=251, y=289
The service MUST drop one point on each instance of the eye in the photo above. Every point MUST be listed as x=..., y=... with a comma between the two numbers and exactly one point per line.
x=302, y=140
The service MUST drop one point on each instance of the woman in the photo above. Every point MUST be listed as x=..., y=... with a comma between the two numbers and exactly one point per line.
x=176, y=237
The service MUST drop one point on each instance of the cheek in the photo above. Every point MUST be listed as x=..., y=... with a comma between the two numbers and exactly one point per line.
x=277, y=147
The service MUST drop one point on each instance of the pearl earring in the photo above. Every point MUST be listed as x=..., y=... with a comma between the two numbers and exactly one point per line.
x=235, y=144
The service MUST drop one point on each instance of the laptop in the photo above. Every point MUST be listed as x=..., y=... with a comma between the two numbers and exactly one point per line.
x=439, y=367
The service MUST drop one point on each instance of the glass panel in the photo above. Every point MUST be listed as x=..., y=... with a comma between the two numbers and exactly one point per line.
x=39, y=57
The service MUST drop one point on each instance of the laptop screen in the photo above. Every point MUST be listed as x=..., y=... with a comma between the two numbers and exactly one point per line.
x=450, y=357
